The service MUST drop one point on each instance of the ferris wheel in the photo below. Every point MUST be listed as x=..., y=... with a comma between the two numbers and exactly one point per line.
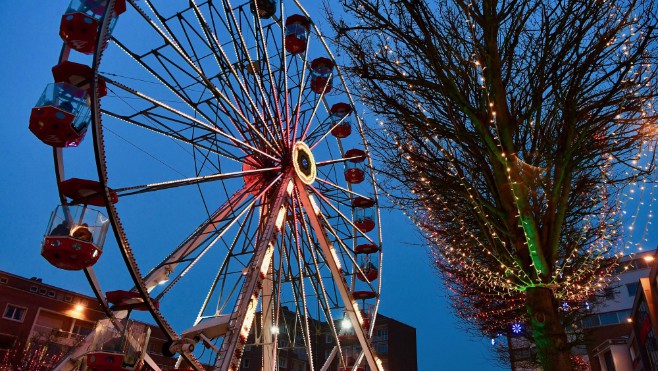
x=233, y=171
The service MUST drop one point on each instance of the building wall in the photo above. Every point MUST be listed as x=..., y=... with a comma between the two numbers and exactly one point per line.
x=394, y=342
x=610, y=319
x=401, y=339
x=36, y=311
x=33, y=312
x=53, y=319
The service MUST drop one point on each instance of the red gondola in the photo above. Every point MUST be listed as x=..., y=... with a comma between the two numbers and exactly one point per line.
x=75, y=237
x=79, y=75
x=363, y=218
x=266, y=8
x=370, y=272
x=366, y=248
x=115, y=350
x=364, y=295
x=61, y=115
x=80, y=23
x=354, y=172
x=297, y=29
x=338, y=112
x=87, y=192
x=123, y=300
x=321, y=69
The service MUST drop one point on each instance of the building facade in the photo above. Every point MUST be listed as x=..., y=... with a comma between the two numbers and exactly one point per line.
x=608, y=331
x=38, y=318
x=393, y=341
x=41, y=323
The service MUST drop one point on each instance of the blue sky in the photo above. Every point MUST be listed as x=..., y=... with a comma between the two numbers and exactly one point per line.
x=412, y=292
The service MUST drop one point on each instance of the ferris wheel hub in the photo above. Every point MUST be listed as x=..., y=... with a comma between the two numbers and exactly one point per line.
x=304, y=163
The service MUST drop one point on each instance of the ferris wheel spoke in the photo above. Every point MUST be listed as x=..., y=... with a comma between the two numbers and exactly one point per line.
x=180, y=91
x=318, y=102
x=350, y=193
x=302, y=94
x=323, y=132
x=145, y=188
x=263, y=34
x=347, y=221
x=222, y=58
x=220, y=220
x=318, y=283
x=245, y=215
x=208, y=142
x=300, y=253
x=222, y=99
x=247, y=148
x=219, y=223
x=346, y=252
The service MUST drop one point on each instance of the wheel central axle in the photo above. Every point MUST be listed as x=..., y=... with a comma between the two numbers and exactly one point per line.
x=303, y=162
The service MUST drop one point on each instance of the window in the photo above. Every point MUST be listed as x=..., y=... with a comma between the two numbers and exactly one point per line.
x=14, y=313
x=609, y=293
x=51, y=294
x=42, y=291
x=632, y=288
x=34, y=289
x=283, y=362
x=381, y=347
x=68, y=298
x=328, y=339
x=7, y=341
x=608, y=318
x=382, y=334
x=592, y=321
x=247, y=348
x=245, y=363
x=3, y=280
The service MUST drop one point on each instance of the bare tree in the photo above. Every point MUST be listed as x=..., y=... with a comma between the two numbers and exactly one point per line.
x=509, y=129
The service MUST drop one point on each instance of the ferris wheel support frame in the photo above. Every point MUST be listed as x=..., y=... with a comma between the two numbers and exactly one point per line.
x=351, y=307
x=242, y=317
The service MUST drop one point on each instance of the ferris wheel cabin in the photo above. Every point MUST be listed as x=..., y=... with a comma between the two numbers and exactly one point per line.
x=321, y=69
x=80, y=23
x=118, y=350
x=363, y=218
x=354, y=172
x=86, y=192
x=341, y=128
x=78, y=75
x=369, y=274
x=297, y=29
x=74, y=238
x=61, y=115
x=263, y=8
x=126, y=300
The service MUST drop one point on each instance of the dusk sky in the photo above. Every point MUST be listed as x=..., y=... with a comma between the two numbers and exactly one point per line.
x=412, y=292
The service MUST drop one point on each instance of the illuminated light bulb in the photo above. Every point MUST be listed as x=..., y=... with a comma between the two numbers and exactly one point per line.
x=345, y=324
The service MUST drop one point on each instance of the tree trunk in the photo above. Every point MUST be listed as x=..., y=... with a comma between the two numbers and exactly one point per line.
x=550, y=338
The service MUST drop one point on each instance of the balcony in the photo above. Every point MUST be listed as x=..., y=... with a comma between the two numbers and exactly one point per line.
x=55, y=336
